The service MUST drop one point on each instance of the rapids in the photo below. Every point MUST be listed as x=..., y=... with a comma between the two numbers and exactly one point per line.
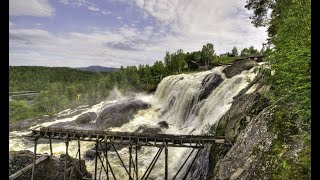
x=187, y=102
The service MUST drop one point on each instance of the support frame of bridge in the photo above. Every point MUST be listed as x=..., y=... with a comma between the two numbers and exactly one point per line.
x=106, y=167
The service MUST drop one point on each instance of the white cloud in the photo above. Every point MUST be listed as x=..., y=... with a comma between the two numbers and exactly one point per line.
x=104, y=47
x=93, y=8
x=38, y=8
x=106, y=12
x=88, y=4
x=224, y=23
x=180, y=24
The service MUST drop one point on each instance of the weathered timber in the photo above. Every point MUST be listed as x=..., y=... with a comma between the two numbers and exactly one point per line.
x=162, y=141
x=128, y=138
x=28, y=168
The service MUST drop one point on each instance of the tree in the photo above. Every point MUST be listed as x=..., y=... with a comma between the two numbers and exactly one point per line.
x=19, y=110
x=234, y=51
x=158, y=69
x=180, y=60
x=207, y=53
x=260, y=8
x=244, y=52
x=168, y=61
x=196, y=56
x=252, y=50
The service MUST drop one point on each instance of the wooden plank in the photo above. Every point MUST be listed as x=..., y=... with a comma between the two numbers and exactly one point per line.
x=27, y=168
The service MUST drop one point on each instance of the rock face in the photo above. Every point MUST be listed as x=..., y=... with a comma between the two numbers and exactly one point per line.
x=50, y=169
x=242, y=110
x=86, y=117
x=238, y=66
x=121, y=113
x=244, y=156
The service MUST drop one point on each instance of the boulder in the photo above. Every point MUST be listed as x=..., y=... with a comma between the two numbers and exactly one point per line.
x=90, y=154
x=163, y=124
x=86, y=117
x=120, y=113
x=209, y=83
x=148, y=130
x=238, y=66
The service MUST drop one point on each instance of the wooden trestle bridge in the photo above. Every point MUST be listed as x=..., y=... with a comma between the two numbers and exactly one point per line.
x=132, y=140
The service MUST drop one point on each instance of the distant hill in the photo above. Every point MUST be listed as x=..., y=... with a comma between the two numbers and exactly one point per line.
x=98, y=69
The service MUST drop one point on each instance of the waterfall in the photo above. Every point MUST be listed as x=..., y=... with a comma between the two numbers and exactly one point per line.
x=187, y=102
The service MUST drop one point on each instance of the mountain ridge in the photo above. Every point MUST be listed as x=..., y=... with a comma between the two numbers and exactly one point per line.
x=97, y=68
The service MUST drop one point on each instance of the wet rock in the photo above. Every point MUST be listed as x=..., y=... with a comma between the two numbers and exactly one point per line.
x=50, y=169
x=209, y=83
x=71, y=114
x=90, y=154
x=163, y=124
x=120, y=113
x=238, y=66
x=152, y=130
x=86, y=117
x=148, y=130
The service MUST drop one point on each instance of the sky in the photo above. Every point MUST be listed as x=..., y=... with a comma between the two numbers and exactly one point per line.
x=114, y=33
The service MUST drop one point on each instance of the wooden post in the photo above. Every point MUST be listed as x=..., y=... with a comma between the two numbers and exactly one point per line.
x=106, y=154
x=137, y=163
x=34, y=158
x=96, y=162
x=79, y=158
x=50, y=147
x=66, y=161
x=130, y=159
x=166, y=163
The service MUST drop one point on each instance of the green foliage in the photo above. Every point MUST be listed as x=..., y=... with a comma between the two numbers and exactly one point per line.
x=260, y=8
x=290, y=35
x=19, y=110
x=223, y=60
x=248, y=51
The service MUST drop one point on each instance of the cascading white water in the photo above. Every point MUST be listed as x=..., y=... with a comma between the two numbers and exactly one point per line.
x=176, y=101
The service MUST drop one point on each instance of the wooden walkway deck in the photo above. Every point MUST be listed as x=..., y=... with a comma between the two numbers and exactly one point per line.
x=127, y=138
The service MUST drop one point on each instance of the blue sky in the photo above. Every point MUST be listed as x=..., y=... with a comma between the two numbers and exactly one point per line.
x=114, y=33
